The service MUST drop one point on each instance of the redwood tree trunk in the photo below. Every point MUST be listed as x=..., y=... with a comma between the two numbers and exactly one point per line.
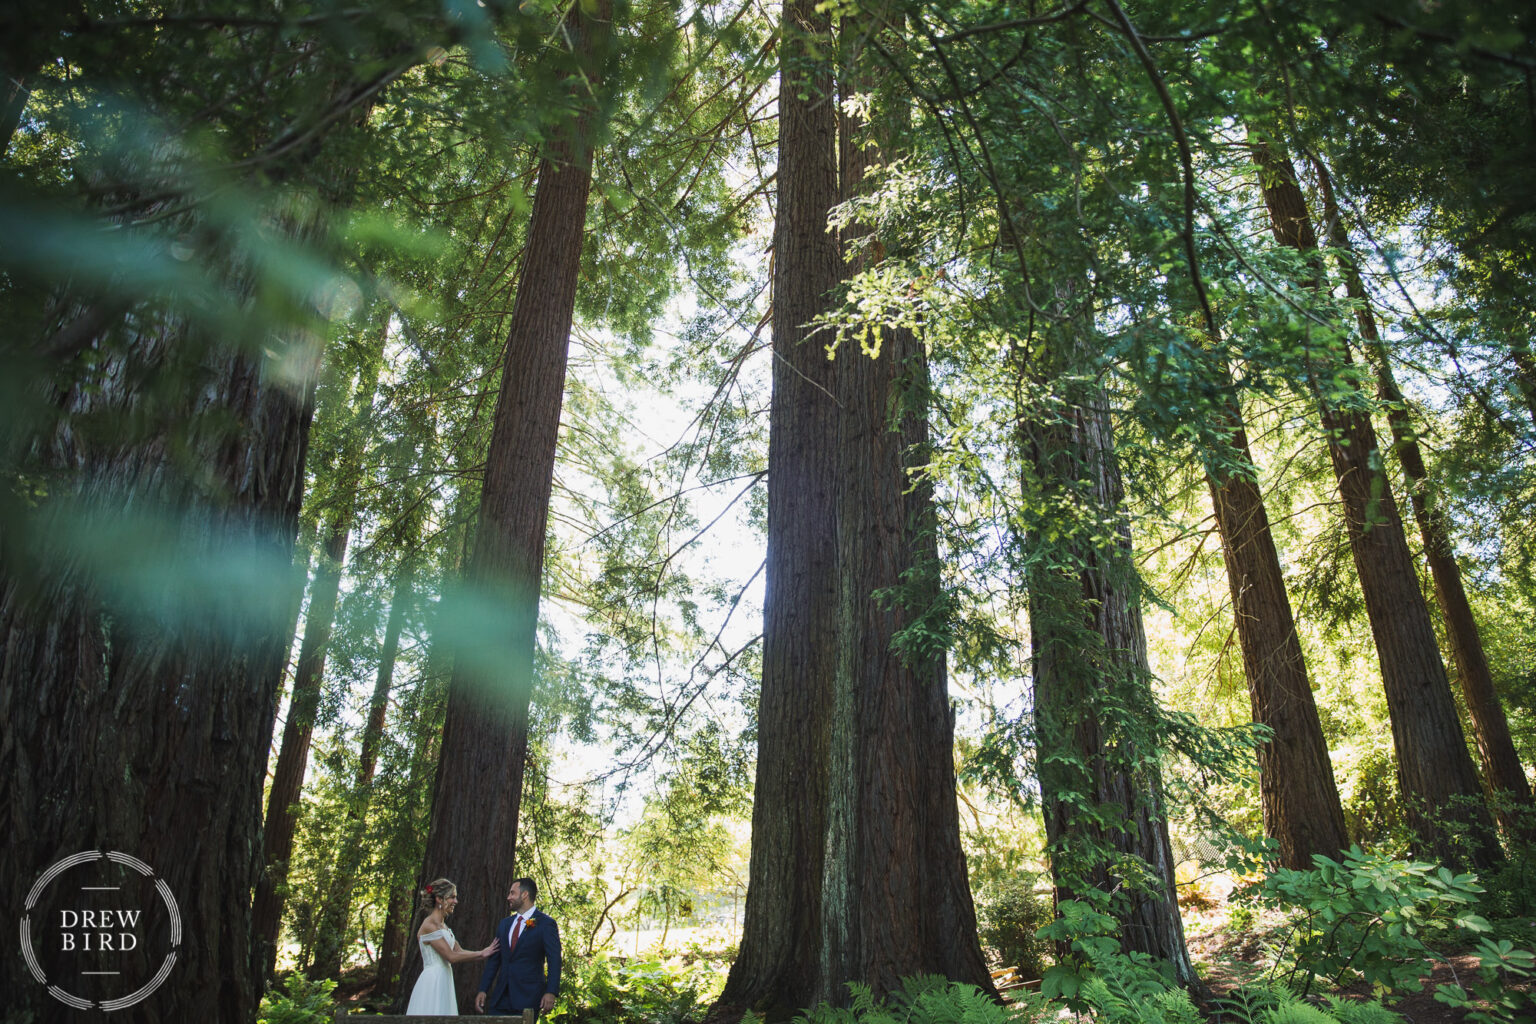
x=1435, y=771
x=424, y=712
x=130, y=729
x=298, y=730
x=473, y=834
x=330, y=937
x=1100, y=795
x=402, y=858
x=777, y=966
x=893, y=826
x=1299, y=798
x=1496, y=750
x=309, y=675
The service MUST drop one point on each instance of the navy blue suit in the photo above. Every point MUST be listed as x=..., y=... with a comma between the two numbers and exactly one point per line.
x=522, y=983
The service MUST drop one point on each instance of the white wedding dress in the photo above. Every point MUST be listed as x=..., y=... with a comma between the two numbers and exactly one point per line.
x=433, y=995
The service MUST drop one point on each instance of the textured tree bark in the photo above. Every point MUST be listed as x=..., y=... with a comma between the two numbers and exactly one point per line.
x=1435, y=771
x=1101, y=797
x=337, y=910
x=121, y=729
x=298, y=730
x=777, y=967
x=1297, y=792
x=896, y=900
x=1490, y=728
x=308, y=678
x=425, y=707
x=404, y=852
x=473, y=835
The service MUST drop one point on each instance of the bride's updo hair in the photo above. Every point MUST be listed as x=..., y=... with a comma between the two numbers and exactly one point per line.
x=437, y=890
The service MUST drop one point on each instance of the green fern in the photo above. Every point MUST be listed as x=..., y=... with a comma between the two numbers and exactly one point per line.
x=1248, y=1004
x=1173, y=1006
x=925, y=999
x=1294, y=1011
x=1347, y=1011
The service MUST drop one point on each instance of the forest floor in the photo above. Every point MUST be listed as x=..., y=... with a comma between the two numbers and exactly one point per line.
x=1226, y=959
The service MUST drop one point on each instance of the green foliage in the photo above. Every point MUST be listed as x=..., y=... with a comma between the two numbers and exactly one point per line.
x=1009, y=913
x=1261, y=1004
x=1494, y=999
x=1511, y=885
x=1116, y=987
x=923, y=1000
x=1122, y=994
x=1249, y=1004
x=1368, y=916
x=294, y=999
x=606, y=990
x=1349, y=1011
x=1296, y=1012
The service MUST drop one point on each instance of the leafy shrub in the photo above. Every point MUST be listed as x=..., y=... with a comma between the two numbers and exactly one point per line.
x=1240, y=918
x=294, y=999
x=1008, y=914
x=605, y=990
x=1512, y=886
x=1370, y=916
x=1114, y=986
x=926, y=999
x=1493, y=999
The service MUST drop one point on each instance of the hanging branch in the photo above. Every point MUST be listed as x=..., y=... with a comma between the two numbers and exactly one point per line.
x=1185, y=158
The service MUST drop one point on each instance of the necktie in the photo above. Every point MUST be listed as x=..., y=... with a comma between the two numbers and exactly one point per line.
x=517, y=929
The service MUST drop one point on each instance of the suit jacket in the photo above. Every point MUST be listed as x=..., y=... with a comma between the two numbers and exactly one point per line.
x=518, y=971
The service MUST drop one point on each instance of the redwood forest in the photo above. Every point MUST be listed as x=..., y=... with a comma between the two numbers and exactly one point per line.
x=825, y=511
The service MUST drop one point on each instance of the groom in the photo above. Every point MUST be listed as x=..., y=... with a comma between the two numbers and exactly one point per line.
x=529, y=939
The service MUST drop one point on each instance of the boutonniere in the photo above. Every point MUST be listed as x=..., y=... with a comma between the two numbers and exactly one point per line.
x=529, y=923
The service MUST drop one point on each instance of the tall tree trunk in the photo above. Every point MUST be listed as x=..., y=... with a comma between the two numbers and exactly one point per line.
x=298, y=730
x=401, y=861
x=141, y=730
x=777, y=967
x=1300, y=801
x=1101, y=796
x=403, y=854
x=331, y=934
x=893, y=825
x=478, y=792
x=1496, y=750
x=1435, y=771
x=293, y=755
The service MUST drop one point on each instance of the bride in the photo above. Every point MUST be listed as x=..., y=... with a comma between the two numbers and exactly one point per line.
x=433, y=995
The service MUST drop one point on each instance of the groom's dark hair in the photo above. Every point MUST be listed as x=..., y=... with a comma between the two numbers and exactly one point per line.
x=528, y=886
